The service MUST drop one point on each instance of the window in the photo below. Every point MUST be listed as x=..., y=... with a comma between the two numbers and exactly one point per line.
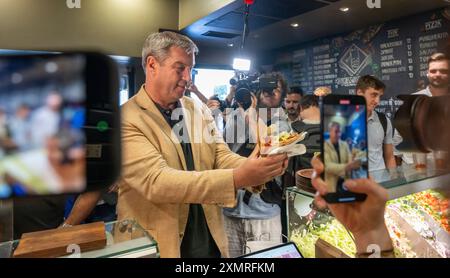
x=213, y=82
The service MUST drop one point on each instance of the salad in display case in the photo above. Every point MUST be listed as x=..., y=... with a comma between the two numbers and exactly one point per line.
x=418, y=222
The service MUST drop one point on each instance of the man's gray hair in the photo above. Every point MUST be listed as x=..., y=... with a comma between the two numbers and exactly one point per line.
x=334, y=124
x=158, y=45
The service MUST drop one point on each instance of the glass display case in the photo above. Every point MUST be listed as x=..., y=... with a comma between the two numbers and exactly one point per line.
x=417, y=215
x=124, y=239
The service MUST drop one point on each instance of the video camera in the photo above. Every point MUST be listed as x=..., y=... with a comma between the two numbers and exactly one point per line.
x=422, y=121
x=248, y=84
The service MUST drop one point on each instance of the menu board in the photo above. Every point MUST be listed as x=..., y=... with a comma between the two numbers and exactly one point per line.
x=302, y=70
x=395, y=52
x=324, y=65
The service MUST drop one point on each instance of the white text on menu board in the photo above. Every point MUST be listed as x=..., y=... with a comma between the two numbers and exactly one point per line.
x=325, y=71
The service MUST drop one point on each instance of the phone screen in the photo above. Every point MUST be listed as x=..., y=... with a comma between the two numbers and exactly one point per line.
x=42, y=114
x=344, y=142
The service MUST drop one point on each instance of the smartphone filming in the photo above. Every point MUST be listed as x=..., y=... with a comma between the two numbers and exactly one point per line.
x=344, y=145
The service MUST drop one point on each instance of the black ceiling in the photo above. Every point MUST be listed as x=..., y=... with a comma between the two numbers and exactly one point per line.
x=269, y=21
x=264, y=12
x=228, y=22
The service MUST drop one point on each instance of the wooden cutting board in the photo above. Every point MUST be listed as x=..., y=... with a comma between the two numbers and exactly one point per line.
x=53, y=243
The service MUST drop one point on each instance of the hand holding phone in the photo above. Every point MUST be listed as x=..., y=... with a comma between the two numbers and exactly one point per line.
x=365, y=220
x=344, y=134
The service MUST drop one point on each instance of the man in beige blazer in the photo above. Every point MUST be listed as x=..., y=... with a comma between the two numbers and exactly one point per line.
x=177, y=171
x=337, y=165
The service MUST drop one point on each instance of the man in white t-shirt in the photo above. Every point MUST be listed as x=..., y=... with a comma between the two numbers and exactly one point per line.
x=438, y=76
x=381, y=150
x=45, y=120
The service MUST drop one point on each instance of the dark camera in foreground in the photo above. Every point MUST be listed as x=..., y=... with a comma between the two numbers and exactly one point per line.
x=423, y=123
x=60, y=124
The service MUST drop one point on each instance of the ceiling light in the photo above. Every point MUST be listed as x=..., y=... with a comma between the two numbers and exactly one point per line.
x=230, y=45
x=295, y=24
x=241, y=64
x=344, y=9
x=16, y=78
x=120, y=59
x=51, y=67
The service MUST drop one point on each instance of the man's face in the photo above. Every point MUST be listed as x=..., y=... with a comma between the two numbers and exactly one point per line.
x=335, y=134
x=372, y=97
x=23, y=112
x=291, y=102
x=438, y=74
x=172, y=76
x=54, y=102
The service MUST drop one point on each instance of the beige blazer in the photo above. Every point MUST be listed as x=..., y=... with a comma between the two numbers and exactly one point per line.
x=156, y=189
x=334, y=169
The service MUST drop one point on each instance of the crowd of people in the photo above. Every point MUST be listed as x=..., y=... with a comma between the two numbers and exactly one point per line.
x=168, y=186
x=200, y=195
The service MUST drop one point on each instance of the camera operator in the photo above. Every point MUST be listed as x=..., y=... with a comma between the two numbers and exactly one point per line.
x=256, y=217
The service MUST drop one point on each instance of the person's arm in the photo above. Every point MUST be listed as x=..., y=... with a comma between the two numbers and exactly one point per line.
x=230, y=95
x=388, y=148
x=246, y=171
x=365, y=220
x=7, y=143
x=83, y=207
x=224, y=157
x=70, y=175
x=353, y=163
x=257, y=130
x=146, y=170
x=195, y=90
x=388, y=154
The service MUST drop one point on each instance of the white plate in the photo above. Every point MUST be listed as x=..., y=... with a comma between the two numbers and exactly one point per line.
x=292, y=149
x=301, y=205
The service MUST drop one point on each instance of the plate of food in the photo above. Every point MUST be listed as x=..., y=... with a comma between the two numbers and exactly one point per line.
x=285, y=142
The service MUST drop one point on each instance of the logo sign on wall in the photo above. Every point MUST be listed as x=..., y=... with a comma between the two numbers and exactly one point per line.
x=354, y=60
